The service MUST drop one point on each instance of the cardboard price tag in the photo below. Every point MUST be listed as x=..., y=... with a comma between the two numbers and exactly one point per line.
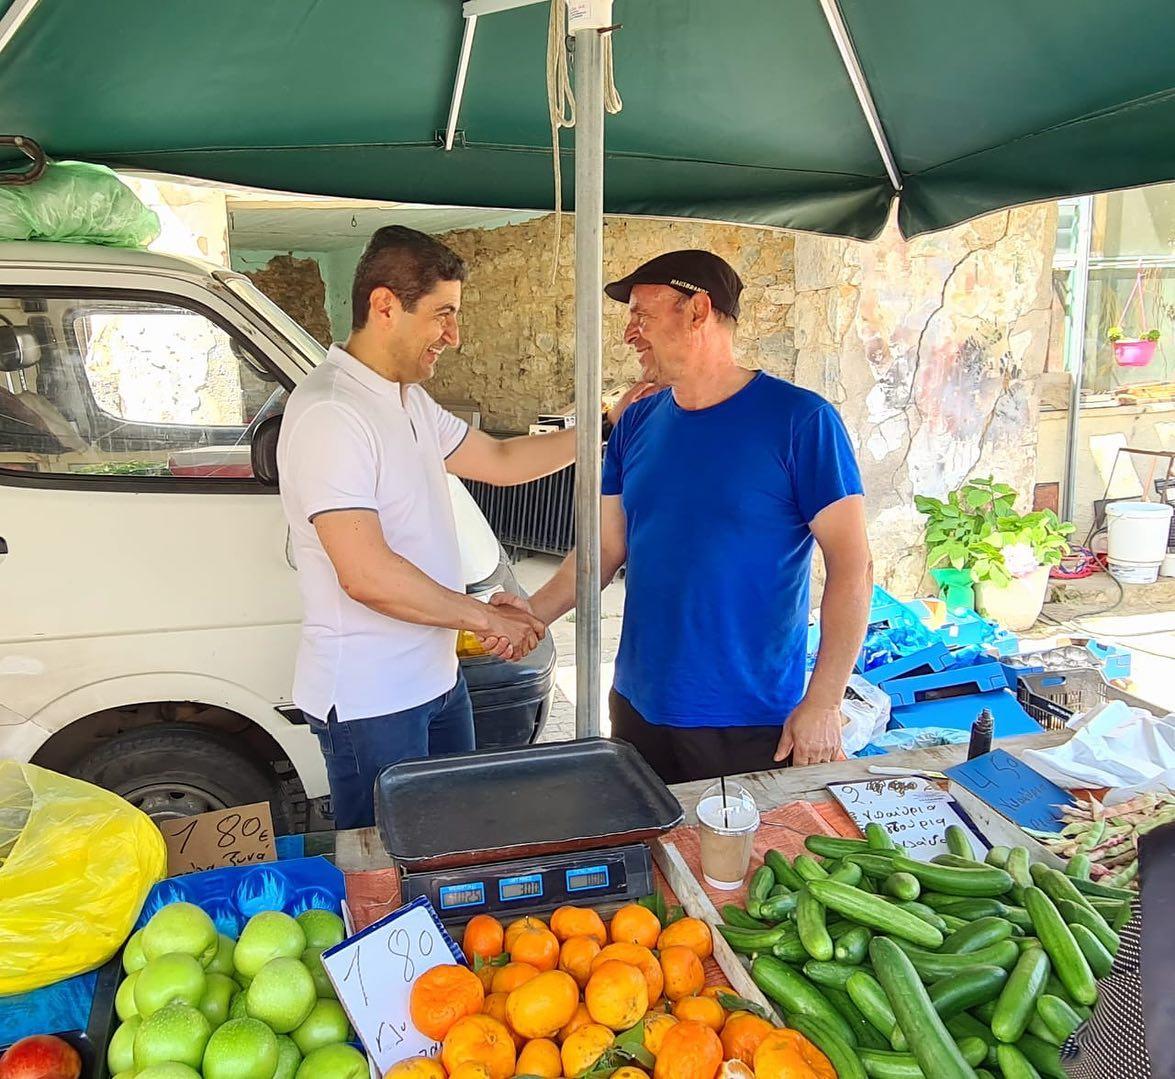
x=227, y=837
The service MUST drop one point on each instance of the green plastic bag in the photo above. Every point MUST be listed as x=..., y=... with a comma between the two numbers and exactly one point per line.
x=76, y=864
x=77, y=203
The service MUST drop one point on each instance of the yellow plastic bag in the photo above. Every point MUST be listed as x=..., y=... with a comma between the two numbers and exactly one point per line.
x=76, y=864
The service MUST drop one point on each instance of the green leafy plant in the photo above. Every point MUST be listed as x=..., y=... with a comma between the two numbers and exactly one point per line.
x=628, y=1048
x=977, y=525
x=1115, y=334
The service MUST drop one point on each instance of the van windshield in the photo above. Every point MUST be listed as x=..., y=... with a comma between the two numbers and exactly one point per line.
x=276, y=317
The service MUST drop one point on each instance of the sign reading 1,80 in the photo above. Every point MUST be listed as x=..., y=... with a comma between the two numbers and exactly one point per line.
x=227, y=837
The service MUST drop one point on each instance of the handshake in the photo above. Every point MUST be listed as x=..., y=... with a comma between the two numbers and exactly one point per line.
x=513, y=631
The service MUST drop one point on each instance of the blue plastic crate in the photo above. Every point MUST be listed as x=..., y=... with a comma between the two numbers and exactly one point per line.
x=954, y=681
x=961, y=712
x=935, y=657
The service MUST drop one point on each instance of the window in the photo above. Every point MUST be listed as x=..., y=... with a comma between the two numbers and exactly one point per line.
x=98, y=386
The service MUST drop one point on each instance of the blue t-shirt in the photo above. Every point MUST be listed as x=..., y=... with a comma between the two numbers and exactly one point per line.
x=718, y=503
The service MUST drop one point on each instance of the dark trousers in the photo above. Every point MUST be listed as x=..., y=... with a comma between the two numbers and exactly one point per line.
x=357, y=750
x=682, y=754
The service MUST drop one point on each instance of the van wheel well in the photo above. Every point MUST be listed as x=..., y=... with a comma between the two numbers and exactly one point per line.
x=87, y=739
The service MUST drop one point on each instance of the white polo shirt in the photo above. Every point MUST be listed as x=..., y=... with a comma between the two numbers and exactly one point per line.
x=350, y=440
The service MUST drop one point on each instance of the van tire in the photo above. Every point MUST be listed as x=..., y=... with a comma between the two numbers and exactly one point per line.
x=177, y=770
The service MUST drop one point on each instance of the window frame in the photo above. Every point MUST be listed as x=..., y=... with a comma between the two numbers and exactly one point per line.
x=71, y=481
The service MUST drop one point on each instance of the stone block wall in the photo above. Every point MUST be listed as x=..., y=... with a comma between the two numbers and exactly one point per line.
x=931, y=350
x=517, y=358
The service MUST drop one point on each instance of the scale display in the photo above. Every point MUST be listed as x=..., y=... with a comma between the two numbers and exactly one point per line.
x=537, y=884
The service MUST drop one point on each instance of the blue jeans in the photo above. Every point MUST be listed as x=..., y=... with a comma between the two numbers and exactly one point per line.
x=357, y=750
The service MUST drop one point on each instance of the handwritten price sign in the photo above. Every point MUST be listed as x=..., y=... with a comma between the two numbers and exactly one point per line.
x=373, y=972
x=227, y=837
x=911, y=809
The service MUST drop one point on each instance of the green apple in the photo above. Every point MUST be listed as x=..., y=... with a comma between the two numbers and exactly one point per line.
x=333, y=1062
x=132, y=954
x=323, y=928
x=124, y=999
x=120, y=1053
x=288, y=1058
x=266, y=936
x=176, y=1034
x=241, y=1049
x=183, y=928
x=168, y=1070
x=312, y=961
x=222, y=961
x=170, y=979
x=282, y=995
x=325, y=1025
x=218, y=998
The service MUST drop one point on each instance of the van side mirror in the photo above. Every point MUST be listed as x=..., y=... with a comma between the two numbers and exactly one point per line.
x=263, y=451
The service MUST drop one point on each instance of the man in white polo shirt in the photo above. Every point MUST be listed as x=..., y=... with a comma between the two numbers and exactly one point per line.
x=362, y=458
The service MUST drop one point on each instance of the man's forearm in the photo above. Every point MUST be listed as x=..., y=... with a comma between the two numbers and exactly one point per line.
x=397, y=588
x=557, y=596
x=530, y=457
x=844, y=615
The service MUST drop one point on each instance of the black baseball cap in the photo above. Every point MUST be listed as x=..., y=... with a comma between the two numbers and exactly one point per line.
x=688, y=272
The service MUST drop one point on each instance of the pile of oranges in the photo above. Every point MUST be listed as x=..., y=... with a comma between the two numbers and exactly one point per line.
x=549, y=999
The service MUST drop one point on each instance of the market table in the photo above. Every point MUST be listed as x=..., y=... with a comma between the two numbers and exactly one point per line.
x=361, y=850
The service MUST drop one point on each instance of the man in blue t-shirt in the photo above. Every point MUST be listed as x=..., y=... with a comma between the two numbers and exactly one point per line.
x=716, y=489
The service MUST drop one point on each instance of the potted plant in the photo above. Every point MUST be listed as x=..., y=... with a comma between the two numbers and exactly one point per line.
x=1007, y=554
x=1134, y=351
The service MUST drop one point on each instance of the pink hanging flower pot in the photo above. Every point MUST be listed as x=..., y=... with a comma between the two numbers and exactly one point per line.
x=1134, y=353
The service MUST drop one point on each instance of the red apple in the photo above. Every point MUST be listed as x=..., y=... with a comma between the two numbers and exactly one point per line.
x=41, y=1057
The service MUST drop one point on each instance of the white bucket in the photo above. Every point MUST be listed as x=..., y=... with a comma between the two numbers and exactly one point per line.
x=1137, y=533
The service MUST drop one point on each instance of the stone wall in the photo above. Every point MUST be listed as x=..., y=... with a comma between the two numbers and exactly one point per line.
x=931, y=350
x=517, y=358
x=296, y=286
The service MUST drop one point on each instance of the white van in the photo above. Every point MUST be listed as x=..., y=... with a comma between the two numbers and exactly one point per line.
x=149, y=614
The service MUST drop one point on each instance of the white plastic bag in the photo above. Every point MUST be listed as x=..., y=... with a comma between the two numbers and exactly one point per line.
x=1127, y=749
x=866, y=712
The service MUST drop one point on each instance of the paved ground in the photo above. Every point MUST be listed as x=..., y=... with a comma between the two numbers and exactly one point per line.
x=532, y=573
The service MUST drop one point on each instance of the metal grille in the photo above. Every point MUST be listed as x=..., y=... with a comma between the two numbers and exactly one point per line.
x=538, y=516
x=1055, y=697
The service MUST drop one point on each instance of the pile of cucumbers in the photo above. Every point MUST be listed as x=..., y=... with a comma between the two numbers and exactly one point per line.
x=948, y=969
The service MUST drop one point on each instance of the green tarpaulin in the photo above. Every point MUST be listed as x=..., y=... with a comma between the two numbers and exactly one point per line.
x=736, y=110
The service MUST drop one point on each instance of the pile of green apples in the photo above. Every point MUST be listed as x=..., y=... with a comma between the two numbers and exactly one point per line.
x=195, y=1003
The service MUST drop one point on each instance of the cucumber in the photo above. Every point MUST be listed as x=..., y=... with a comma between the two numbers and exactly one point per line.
x=834, y=846
x=951, y=880
x=959, y=842
x=853, y=947
x=808, y=869
x=998, y=856
x=952, y=922
x=1024, y=943
x=1091, y=918
x=867, y=1037
x=965, y=1025
x=811, y=928
x=781, y=868
x=1103, y=891
x=932, y=1045
x=798, y=996
x=977, y=934
x=1057, y=886
x=790, y=949
x=867, y=884
x=1038, y=1028
x=932, y=966
x=1018, y=916
x=1017, y=1002
x=778, y=908
x=1079, y=865
x=762, y=881
x=874, y=912
x=1019, y=863
x=877, y=864
x=841, y=1055
x=734, y=916
x=747, y=941
x=882, y=1065
x=1125, y=913
x=828, y=975
x=1100, y=961
x=1068, y=960
x=967, y=989
x=930, y=917
x=840, y=926
x=1014, y=1064
x=1045, y=1058
x=903, y=886
x=1057, y=1016
x=969, y=908
x=847, y=873
x=866, y=993
x=877, y=837
x=957, y=860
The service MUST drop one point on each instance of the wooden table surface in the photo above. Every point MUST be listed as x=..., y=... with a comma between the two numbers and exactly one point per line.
x=361, y=849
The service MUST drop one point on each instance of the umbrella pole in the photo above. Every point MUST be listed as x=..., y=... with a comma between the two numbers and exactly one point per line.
x=589, y=315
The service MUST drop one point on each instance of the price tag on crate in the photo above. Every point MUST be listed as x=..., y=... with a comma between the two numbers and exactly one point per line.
x=226, y=837
x=1019, y=792
x=911, y=809
x=373, y=972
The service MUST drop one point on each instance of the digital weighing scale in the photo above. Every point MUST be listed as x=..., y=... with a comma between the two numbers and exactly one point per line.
x=525, y=830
